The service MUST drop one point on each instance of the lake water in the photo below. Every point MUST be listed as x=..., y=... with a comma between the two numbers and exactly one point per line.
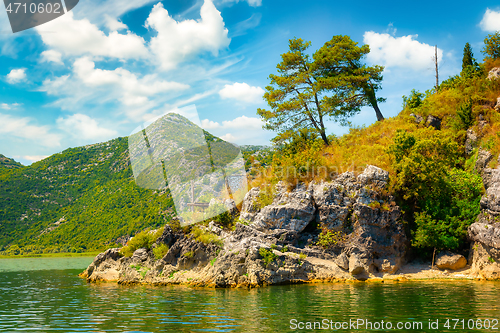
x=45, y=295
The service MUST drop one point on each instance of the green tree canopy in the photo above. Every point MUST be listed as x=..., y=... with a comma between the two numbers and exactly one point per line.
x=334, y=84
x=492, y=46
x=468, y=57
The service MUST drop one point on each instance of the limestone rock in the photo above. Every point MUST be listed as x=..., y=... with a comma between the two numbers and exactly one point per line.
x=342, y=261
x=470, y=142
x=250, y=206
x=483, y=158
x=494, y=74
x=374, y=175
x=418, y=118
x=490, y=202
x=289, y=210
x=497, y=106
x=167, y=237
x=448, y=260
x=140, y=255
x=433, y=121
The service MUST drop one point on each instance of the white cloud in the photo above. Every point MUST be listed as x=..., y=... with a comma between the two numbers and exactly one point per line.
x=228, y=137
x=80, y=37
x=134, y=91
x=403, y=51
x=21, y=128
x=7, y=106
x=114, y=25
x=83, y=127
x=34, y=158
x=178, y=41
x=243, y=122
x=16, y=75
x=490, y=21
x=253, y=3
x=242, y=92
x=51, y=56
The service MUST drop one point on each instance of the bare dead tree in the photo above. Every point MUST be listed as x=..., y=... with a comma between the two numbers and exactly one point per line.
x=435, y=59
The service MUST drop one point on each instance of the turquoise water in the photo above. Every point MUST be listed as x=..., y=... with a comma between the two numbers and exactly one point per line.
x=45, y=295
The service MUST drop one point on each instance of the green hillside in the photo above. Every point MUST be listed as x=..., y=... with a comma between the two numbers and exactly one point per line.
x=8, y=163
x=78, y=200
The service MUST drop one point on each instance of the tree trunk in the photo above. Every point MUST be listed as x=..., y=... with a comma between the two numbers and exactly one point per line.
x=370, y=94
x=323, y=136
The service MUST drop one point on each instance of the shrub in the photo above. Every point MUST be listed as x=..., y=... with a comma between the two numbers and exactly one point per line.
x=204, y=236
x=143, y=239
x=160, y=251
x=267, y=255
x=329, y=238
x=414, y=100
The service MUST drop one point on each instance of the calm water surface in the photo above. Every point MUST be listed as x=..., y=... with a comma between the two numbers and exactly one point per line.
x=45, y=295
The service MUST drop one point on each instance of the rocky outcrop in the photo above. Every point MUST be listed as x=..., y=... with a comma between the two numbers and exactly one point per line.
x=484, y=234
x=272, y=245
x=470, y=141
x=289, y=210
x=433, y=121
x=483, y=158
x=497, y=106
x=418, y=118
x=494, y=74
x=452, y=261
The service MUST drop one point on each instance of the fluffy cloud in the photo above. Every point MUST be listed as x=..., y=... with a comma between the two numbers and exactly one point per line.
x=83, y=127
x=114, y=25
x=490, y=21
x=134, y=91
x=51, y=56
x=16, y=75
x=403, y=51
x=80, y=37
x=34, y=158
x=243, y=122
x=242, y=92
x=177, y=41
x=7, y=106
x=21, y=128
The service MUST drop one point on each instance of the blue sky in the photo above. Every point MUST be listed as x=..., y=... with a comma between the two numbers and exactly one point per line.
x=104, y=68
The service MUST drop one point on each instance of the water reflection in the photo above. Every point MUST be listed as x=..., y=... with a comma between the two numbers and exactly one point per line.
x=48, y=300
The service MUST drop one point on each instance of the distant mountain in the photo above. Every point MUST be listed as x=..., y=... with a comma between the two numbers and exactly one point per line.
x=81, y=199
x=9, y=163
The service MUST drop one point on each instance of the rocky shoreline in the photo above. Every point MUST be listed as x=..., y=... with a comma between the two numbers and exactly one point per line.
x=279, y=242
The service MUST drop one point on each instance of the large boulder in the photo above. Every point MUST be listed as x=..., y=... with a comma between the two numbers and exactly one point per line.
x=483, y=158
x=452, y=261
x=290, y=210
x=490, y=202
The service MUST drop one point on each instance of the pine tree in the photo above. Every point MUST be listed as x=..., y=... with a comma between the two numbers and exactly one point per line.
x=468, y=58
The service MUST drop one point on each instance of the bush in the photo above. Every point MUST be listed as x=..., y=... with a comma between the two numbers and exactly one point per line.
x=204, y=236
x=328, y=238
x=143, y=239
x=414, y=100
x=268, y=256
x=160, y=251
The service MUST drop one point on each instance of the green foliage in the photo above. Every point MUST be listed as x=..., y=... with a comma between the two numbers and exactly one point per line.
x=268, y=256
x=189, y=254
x=284, y=249
x=335, y=84
x=204, y=236
x=160, y=251
x=143, y=239
x=491, y=48
x=224, y=219
x=141, y=270
x=465, y=117
x=447, y=213
x=329, y=238
x=79, y=200
x=421, y=163
x=212, y=262
x=414, y=100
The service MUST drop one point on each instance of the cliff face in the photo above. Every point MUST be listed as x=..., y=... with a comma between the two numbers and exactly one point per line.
x=485, y=232
x=278, y=243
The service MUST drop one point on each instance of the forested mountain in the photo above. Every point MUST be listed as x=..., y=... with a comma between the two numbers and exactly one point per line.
x=8, y=163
